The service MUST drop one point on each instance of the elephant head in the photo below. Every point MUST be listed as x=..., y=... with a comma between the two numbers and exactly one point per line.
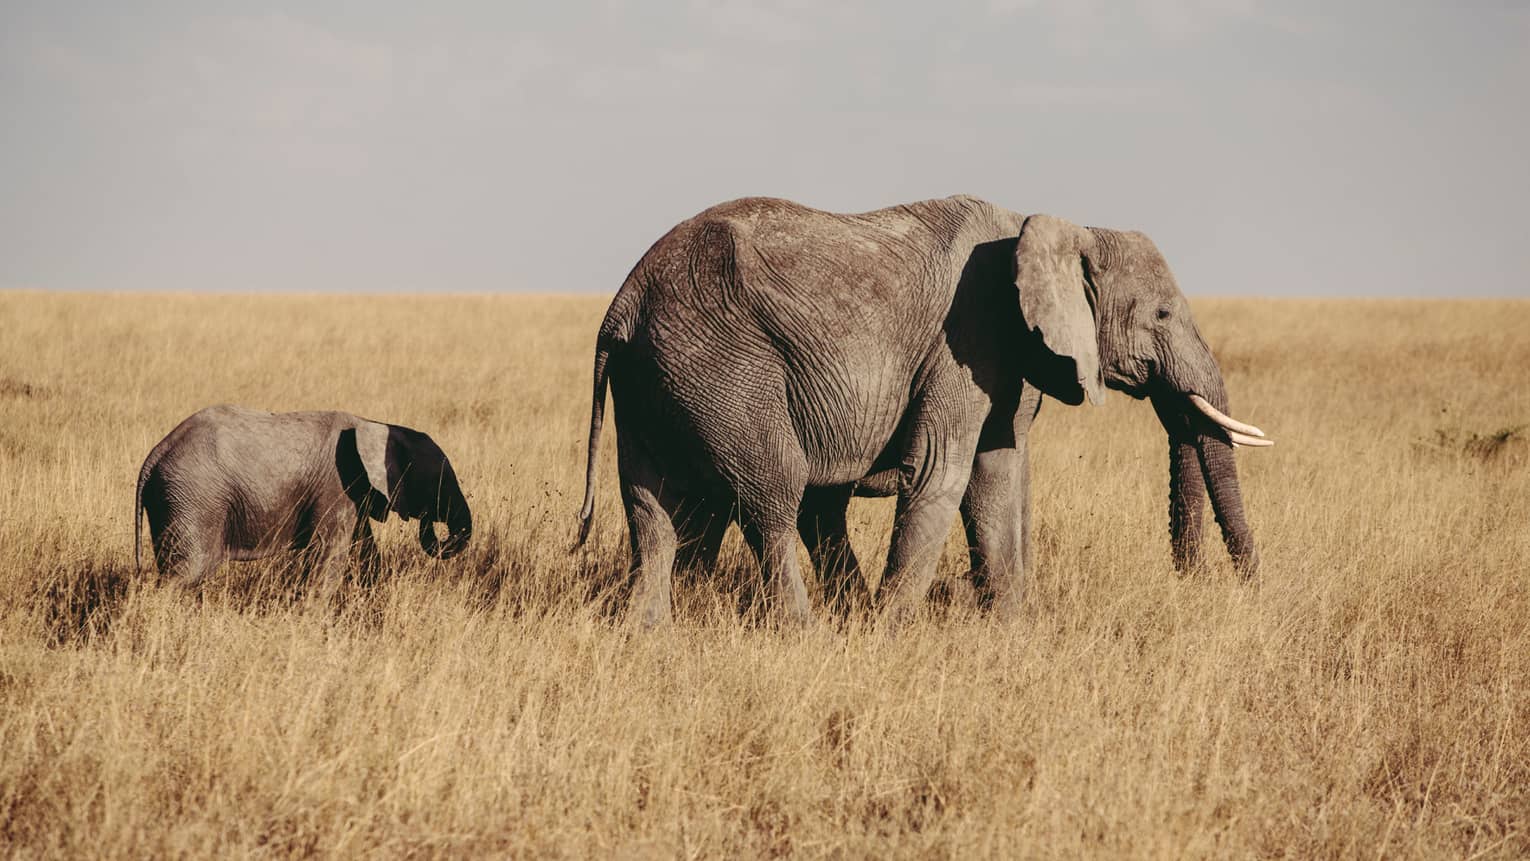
x=1106, y=300
x=392, y=468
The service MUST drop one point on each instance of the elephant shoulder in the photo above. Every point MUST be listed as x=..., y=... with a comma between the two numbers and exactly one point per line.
x=775, y=212
x=945, y=222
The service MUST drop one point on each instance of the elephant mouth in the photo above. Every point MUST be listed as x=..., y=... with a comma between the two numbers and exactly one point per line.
x=1139, y=380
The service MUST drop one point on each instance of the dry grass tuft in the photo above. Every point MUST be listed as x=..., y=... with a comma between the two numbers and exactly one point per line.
x=1367, y=697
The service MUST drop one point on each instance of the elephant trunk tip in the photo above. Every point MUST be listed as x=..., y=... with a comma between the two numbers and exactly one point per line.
x=459, y=531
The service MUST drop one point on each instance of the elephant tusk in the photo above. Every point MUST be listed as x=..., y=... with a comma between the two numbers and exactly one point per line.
x=1223, y=420
x=1245, y=439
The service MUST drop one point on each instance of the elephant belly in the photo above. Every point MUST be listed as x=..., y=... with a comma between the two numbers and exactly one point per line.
x=848, y=436
x=879, y=483
x=255, y=534
x=260, y=527
x=764, y=387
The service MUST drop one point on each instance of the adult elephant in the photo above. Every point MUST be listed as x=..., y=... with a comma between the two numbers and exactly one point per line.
x=764, y=357
x=236, y=483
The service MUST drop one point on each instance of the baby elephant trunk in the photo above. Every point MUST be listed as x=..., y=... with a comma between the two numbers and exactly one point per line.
x=459, y=522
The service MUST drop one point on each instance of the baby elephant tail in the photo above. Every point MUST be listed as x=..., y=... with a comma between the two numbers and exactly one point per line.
x=597, y=418
x=143, y=478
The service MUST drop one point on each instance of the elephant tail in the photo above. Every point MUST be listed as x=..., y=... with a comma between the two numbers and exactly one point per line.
x=144, y=472
x=616, y=331
x=143, y=478
x=597, y=418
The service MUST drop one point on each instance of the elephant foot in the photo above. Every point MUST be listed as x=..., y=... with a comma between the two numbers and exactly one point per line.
x=649, y=615
x=796, y=622
x=1000, y=596
x=649, y=603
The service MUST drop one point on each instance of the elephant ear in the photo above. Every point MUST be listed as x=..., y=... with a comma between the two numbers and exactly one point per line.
x=1055, y=300
x=361, y=455
x=372, y=445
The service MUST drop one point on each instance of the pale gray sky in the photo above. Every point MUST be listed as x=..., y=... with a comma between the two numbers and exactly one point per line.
x=1275, y=148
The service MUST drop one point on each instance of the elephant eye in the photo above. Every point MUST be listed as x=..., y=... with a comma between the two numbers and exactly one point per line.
x=1164, y=313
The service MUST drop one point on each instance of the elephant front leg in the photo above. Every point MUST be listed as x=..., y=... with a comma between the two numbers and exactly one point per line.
x=335, y=538
x=329, y=566
x=926, y=506
x=996, y=513
x=919, y=535
x=364, y=549
x=821, y=523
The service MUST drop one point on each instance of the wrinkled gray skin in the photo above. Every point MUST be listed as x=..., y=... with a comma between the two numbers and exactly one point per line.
x=765, y=357
x=231, y=483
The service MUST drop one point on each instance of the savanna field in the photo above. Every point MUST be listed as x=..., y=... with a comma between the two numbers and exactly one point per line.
x=1368, y=696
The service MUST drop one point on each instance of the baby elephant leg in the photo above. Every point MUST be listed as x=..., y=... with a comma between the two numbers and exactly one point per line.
x=187, y=548
x=365, y=556
x=189, y=567
x=329, y=551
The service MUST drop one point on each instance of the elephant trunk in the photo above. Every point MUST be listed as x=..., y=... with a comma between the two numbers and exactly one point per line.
x=1187, y=500
x=1201, y=462
x=428, y=541
x=459, y=523
x=1187, y=486
x=1221, y=476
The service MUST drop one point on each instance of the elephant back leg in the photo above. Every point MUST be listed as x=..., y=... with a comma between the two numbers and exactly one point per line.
x=821, y=523
x=769, y=488
x=772, y=534
x=651, y=508
x=188, y=541
x=742, y=449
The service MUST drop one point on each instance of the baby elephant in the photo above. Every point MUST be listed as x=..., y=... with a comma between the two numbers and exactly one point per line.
x=236, y=483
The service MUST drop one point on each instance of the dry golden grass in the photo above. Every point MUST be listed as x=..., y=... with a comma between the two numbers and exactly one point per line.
x=1370, y=697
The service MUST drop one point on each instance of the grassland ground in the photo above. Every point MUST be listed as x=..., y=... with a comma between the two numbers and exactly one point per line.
x=1369, y=696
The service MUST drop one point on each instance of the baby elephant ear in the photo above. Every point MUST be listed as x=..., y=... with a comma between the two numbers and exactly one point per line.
x=361, y=458
x=372, y=446
x=1054, y=297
